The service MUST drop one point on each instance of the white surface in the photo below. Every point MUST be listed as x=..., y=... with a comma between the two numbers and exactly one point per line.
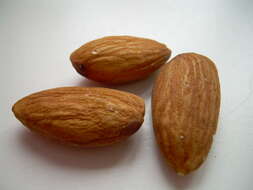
x=36, y=39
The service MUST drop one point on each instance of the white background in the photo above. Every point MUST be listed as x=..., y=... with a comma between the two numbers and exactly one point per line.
x=36, y=39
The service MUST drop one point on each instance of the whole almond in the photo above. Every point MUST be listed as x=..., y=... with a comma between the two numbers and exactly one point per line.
x=86, y=117
x=119, y=59
x=185, y=108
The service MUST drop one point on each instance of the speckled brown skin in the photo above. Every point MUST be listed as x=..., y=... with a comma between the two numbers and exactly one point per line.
x=119, y=59
x=86, y=117
x=185, y=108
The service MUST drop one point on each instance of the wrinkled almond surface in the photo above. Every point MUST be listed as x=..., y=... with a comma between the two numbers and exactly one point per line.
x=119, y=59
x=79, y=116
x=185, y=106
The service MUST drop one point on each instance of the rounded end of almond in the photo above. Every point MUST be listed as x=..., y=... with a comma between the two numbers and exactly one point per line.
x=72, y=57
x=13, y=108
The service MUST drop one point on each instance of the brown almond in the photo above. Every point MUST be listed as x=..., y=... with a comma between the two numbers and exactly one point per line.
x=185, y=108
x=119, y=59
x=86, y=117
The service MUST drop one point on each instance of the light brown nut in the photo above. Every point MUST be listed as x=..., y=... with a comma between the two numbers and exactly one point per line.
x=86, y=117
x=185, y=108
x=119, y=59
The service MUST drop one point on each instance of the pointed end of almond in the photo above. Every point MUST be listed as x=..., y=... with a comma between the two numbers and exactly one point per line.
x=180, y=174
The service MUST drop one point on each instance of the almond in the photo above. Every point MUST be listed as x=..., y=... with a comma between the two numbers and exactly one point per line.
x=119, y=59
x=185, y=108
x=86, y=117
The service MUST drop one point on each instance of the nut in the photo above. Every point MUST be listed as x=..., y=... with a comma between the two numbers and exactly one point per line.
x=185, y=108
x=86, y=117
x=119, y=59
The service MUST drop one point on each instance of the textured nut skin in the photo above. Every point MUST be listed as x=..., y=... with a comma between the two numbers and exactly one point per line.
x=86, y=117
x=119, y=59
x=185, y=108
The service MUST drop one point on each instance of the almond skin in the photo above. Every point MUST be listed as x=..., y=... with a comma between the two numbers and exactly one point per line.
x=185, y=109
x=119, y=59
x=86, y=117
